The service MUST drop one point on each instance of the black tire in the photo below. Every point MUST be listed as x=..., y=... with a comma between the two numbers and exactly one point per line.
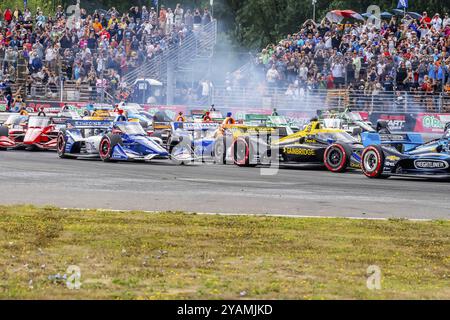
x=219, y=151
x=107, y=145
x=372, y=162
x=4, y=131
x=61, y=144
x=337, y=157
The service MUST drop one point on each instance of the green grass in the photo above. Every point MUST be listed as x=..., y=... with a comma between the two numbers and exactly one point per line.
x=174, y=255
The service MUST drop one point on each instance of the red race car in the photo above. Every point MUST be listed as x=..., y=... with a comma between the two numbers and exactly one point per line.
x=12, y=132
x=39, y=132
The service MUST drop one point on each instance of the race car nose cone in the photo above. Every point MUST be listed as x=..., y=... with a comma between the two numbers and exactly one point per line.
x=32, y=135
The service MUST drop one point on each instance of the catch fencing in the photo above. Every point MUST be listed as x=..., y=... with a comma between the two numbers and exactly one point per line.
x=310, y=100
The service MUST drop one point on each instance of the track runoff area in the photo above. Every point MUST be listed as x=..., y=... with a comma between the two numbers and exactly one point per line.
x=41, y=178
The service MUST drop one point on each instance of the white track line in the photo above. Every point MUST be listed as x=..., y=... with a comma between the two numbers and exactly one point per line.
x=255, y=214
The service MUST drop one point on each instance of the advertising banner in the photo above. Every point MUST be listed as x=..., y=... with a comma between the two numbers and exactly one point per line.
x=400, y=122
x=431, y=122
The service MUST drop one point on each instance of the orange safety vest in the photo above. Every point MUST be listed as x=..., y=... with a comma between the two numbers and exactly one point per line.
x=180, y=119
x=229, y=120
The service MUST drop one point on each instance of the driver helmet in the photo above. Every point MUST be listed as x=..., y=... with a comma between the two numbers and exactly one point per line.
x=447, y=130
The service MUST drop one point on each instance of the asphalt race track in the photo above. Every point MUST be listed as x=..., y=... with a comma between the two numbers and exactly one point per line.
x=41, y=178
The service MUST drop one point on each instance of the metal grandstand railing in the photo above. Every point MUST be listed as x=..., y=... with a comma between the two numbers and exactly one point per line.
x=199, y=43
x=311, y=100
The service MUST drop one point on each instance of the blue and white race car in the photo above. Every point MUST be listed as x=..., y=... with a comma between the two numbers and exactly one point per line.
x=109, y=141
x=424, y=160
x=192, y=140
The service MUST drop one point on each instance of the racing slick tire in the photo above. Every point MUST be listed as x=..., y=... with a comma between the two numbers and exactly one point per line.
x=220, y=151
x=4, y=132
x=61, y=144
x=241, y=152
x=107, y=145
x=372, y=162
x=337, y=157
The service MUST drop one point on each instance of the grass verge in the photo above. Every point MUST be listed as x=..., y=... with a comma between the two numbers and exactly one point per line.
x=178, y=256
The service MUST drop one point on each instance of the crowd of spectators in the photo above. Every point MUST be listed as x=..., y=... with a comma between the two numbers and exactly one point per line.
x=405, y=54
x=95, y=50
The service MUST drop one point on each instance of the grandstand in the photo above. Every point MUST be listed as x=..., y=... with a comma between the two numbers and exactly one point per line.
x=404, y=66
x=102, y=58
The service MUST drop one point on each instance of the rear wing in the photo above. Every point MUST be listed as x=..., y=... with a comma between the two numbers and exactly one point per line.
x=409, y=140
x=89, y=124
x=194, y=126
x=60, y=120
x=99, y=106
x=256, y=117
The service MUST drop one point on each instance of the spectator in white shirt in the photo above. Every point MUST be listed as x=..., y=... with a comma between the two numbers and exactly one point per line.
x=436, y=22
x=272, y=76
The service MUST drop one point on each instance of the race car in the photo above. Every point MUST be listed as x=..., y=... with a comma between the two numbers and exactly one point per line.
x=98, y=111
x=345, y=119
x=334, y=148
x=270, y=121
x=227, y=134
x=71, y=112
x=207, y=141
x=135, y=112
x=33, y=132
x=198, y=115
x=161, y=126
x=425, y=160
x=192, y=140
x=109, y=141
x=12, y=132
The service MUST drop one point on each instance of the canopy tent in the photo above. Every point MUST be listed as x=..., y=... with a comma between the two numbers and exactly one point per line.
x=414, y=15
x=398, y=12
x=383, y=15
x=338, y=15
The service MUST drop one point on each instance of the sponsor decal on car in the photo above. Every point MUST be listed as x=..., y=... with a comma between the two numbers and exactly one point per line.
x=355, y=165
x=299, y=151
x=430, y=164
x=392, y=158
x=392, y=137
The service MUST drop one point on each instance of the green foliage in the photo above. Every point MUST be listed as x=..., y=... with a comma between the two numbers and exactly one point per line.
x=260, y=22
x=46, y=5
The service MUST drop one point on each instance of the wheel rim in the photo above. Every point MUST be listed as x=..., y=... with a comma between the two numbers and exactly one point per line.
x=334, y=157
x=370, y=161
x=219, y=150
x=241, y=152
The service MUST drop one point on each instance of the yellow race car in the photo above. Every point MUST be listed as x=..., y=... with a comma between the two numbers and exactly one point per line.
x=228, y=133
x=334, y=148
